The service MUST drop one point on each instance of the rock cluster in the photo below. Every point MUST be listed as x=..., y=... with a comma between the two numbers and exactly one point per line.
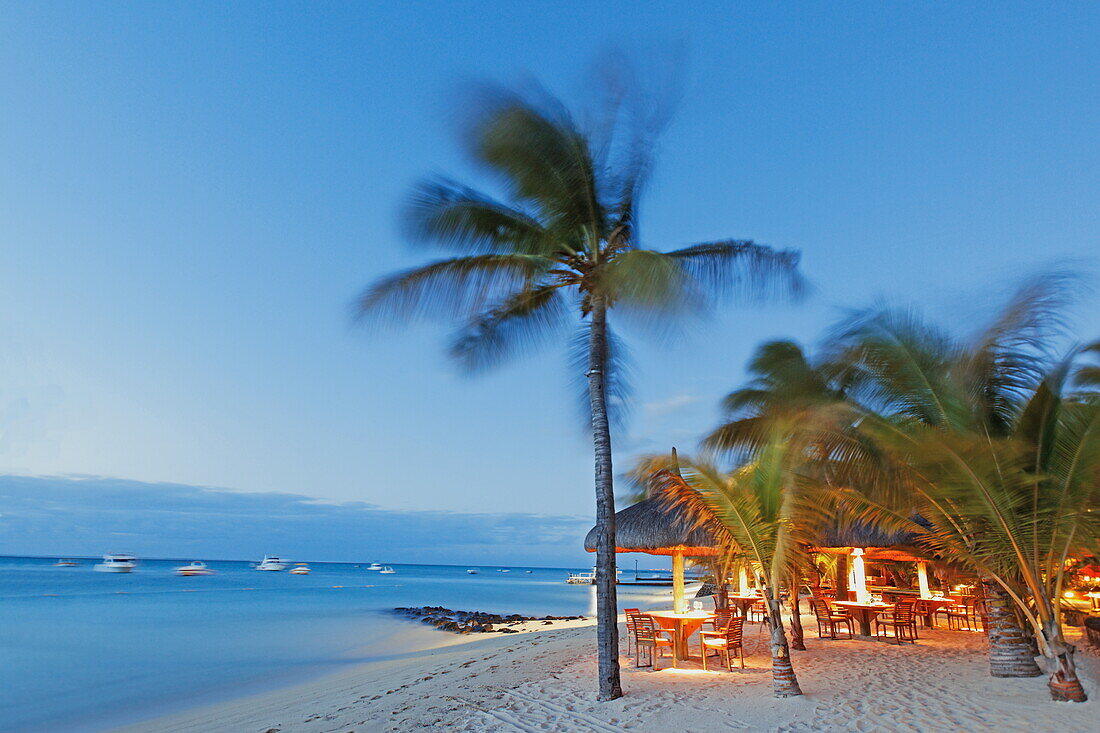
x=473, y=622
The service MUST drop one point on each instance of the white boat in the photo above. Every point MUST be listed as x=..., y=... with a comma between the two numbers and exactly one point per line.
x=473, y=571
x=195, y=568
x=501, y=570
x=116, y=564
x=272, y=563
x=374, y=566
x=300, y=569
x=387, y=570
x=66, y=564
x=588, y=578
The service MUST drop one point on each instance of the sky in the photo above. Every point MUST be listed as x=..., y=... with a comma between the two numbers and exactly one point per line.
x=192, y=194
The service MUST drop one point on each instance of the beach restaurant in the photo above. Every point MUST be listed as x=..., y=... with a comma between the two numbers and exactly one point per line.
x=874, y=584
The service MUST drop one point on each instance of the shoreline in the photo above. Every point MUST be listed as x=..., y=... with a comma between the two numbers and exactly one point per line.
x=543, y=678
x=240, y=712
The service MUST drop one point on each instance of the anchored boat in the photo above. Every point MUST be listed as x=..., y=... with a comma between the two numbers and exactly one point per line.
x=272, y=564
x=196, y=567
x=116, y=564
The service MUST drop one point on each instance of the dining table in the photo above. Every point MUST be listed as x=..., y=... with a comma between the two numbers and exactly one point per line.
x=863, y=613
x=682, y=625
x=743, y=602
x=927, y=608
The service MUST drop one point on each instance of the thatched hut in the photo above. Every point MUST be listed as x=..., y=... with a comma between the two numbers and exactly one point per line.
x=653, y=527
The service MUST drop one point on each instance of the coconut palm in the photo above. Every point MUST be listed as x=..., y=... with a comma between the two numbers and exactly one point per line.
x=877, y=363
x=757, y=509
x=1003, y=462
x=563, y=245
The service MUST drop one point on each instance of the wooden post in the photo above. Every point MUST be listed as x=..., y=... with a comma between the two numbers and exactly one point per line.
x=678, y=581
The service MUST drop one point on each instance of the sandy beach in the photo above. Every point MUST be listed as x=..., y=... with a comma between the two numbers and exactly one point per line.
x=542, y=680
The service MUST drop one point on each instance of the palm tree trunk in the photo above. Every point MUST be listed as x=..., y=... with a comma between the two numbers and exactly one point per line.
x=1010, y=649
x=798, y=639
x=784, y=682
x=607, y=604
x=1063, y=682
x=842, y=578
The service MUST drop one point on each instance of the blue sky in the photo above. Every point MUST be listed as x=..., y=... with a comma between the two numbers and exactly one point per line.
x=192, y=193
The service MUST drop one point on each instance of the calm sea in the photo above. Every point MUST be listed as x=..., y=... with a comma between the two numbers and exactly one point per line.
x=85, y=651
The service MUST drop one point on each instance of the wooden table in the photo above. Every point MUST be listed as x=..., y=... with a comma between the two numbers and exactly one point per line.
x=929, y=606
x=683, y=625
x=863, y=613
x=743, y=602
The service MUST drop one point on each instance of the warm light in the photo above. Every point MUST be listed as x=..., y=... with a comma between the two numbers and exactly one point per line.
x=677, y=670
x=1068, y=594
x=859, y=574
x=922, y=580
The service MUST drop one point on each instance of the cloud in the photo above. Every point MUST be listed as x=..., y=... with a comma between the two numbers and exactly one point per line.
x=670, y=405
x=81, y=515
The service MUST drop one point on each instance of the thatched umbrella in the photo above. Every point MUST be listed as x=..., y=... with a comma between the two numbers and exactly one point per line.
x=653, y=527
x=862, y=542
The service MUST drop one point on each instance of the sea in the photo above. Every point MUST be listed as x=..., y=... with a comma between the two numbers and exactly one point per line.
x=88, y=651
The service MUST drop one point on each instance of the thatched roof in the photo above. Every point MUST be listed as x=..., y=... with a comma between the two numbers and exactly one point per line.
x=879, y=544
x=858, y=534
x=651, y=526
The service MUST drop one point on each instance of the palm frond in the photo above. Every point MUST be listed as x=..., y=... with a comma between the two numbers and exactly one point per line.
x=459, y=218
x=542, y=157
x=522, y=322
x=742, y=270
x=457, y=287
x=647, y=280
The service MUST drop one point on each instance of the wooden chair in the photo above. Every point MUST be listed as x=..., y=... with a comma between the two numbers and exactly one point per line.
x=725, y=641
x=721, y=620
x=630, y=628
x=962, y=616
x=757, y=612
x=828, y=618
x=649, y=635
x=902, y=620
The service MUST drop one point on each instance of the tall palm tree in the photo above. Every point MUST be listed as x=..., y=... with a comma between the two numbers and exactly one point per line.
x=563, y=244
x=756, y=509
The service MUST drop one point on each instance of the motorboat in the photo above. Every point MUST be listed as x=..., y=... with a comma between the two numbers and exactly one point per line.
x=300, y=569
x=66, y=564
x=387, y=570
x=502, y=570
x=196, y=567
x=374, y=566
x=272, y=563
x=473, y=571
x=116, y=564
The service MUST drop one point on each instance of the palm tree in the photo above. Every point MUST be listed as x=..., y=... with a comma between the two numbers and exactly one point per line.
x=824, y=401
x=757, y=510
x=564, y=243
x=1003, y=461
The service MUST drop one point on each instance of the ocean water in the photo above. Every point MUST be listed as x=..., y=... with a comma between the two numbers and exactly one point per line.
x=86, y=651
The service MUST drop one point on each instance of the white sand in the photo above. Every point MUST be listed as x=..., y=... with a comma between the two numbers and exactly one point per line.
x=544, y=680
